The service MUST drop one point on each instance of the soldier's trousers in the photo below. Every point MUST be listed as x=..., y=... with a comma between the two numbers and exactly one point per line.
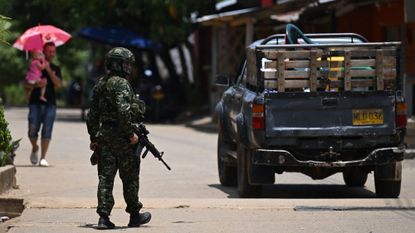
x=113, y=158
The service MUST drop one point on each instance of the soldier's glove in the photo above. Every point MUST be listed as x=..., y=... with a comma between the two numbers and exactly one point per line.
x=94, y=158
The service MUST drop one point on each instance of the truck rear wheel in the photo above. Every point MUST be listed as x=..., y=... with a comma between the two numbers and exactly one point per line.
x=245, y=189
x=227, y=173
x=355, y=177
x=388, y=180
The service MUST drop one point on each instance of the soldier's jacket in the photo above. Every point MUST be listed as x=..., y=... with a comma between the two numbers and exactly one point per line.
x=113, y=110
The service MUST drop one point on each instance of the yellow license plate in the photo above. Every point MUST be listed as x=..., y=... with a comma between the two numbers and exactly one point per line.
x=367, y=116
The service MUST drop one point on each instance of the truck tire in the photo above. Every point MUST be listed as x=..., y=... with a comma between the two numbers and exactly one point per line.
x=388, y=180
x=245, y=189
x=355, y=177
x=227, y=173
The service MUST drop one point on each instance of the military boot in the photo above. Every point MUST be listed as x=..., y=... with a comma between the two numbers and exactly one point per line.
x=105, y=223
x=139, y=219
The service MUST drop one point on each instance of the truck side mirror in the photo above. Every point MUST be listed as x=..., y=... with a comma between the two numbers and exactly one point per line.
x=223, y=80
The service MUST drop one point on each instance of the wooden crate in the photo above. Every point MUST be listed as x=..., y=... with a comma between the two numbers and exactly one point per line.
x=345, y=68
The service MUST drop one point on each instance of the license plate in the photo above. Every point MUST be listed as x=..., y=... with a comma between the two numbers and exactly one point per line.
x=367, y=116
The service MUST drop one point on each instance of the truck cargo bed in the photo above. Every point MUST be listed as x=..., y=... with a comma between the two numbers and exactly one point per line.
x=319, y=114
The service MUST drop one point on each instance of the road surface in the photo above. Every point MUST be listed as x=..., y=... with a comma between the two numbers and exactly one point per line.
x=62, y=197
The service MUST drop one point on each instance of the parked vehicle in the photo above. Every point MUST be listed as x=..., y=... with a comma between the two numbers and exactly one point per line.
x=316, y=104
x=153, y=94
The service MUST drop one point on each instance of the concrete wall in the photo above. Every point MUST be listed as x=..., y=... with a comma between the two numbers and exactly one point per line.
x=7, y=178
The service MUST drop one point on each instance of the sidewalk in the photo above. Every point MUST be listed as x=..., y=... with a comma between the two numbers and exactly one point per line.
x=228, y=217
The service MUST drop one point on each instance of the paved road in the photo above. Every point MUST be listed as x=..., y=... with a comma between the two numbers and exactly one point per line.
x=62, y=198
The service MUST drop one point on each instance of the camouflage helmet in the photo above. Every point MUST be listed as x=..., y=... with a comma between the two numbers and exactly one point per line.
x=118, y=61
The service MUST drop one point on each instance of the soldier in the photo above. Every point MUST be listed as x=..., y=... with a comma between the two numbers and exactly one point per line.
x=110, y=126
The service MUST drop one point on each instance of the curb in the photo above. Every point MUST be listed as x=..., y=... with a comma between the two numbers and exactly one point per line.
x=7, y=178
x=11, y=207
x=213, y=203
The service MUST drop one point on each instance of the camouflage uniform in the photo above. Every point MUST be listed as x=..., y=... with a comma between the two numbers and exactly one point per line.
x=113, y=110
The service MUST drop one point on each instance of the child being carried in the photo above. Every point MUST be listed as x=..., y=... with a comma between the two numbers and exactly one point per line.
x=34, y=74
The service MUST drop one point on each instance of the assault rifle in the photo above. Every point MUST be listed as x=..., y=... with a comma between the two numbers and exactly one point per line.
x=142, y=133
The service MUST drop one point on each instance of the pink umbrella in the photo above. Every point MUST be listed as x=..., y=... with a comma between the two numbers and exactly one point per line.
x=36, y=37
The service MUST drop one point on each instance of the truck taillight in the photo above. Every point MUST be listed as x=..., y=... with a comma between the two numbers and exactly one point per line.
x=258, y=119
x=401, y=118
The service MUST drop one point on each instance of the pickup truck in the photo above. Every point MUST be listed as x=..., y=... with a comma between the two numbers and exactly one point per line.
x=318, y=104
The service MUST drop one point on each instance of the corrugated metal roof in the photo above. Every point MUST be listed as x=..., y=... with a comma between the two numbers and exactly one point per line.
x=282, y=6
x=223, y=4
x=223, y=16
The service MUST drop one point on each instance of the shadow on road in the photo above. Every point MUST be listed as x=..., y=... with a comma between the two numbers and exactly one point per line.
x=207, y=127
x=231, y=191
x=198, y=121
x=315, y=191
x=303, y=191
x=69, y=117
x=28, y=165
x=95, y=226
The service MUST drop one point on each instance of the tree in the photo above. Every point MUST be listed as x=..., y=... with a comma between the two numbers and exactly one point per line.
x=3, y=29
x=9, y=62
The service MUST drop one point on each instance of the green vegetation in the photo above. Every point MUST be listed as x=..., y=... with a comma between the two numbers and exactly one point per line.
x=11, y=65
x=3, y=28
x=168, y=22
x=5, y=138
x=15, y=95
x=6, y=145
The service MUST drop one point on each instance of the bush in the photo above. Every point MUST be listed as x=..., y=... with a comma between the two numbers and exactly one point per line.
x=6, y=146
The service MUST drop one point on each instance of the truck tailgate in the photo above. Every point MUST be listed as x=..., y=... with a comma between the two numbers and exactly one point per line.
x=322, y=114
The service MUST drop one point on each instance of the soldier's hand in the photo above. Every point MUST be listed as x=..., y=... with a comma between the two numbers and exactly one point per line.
x=134, y=139
x=93, y=146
